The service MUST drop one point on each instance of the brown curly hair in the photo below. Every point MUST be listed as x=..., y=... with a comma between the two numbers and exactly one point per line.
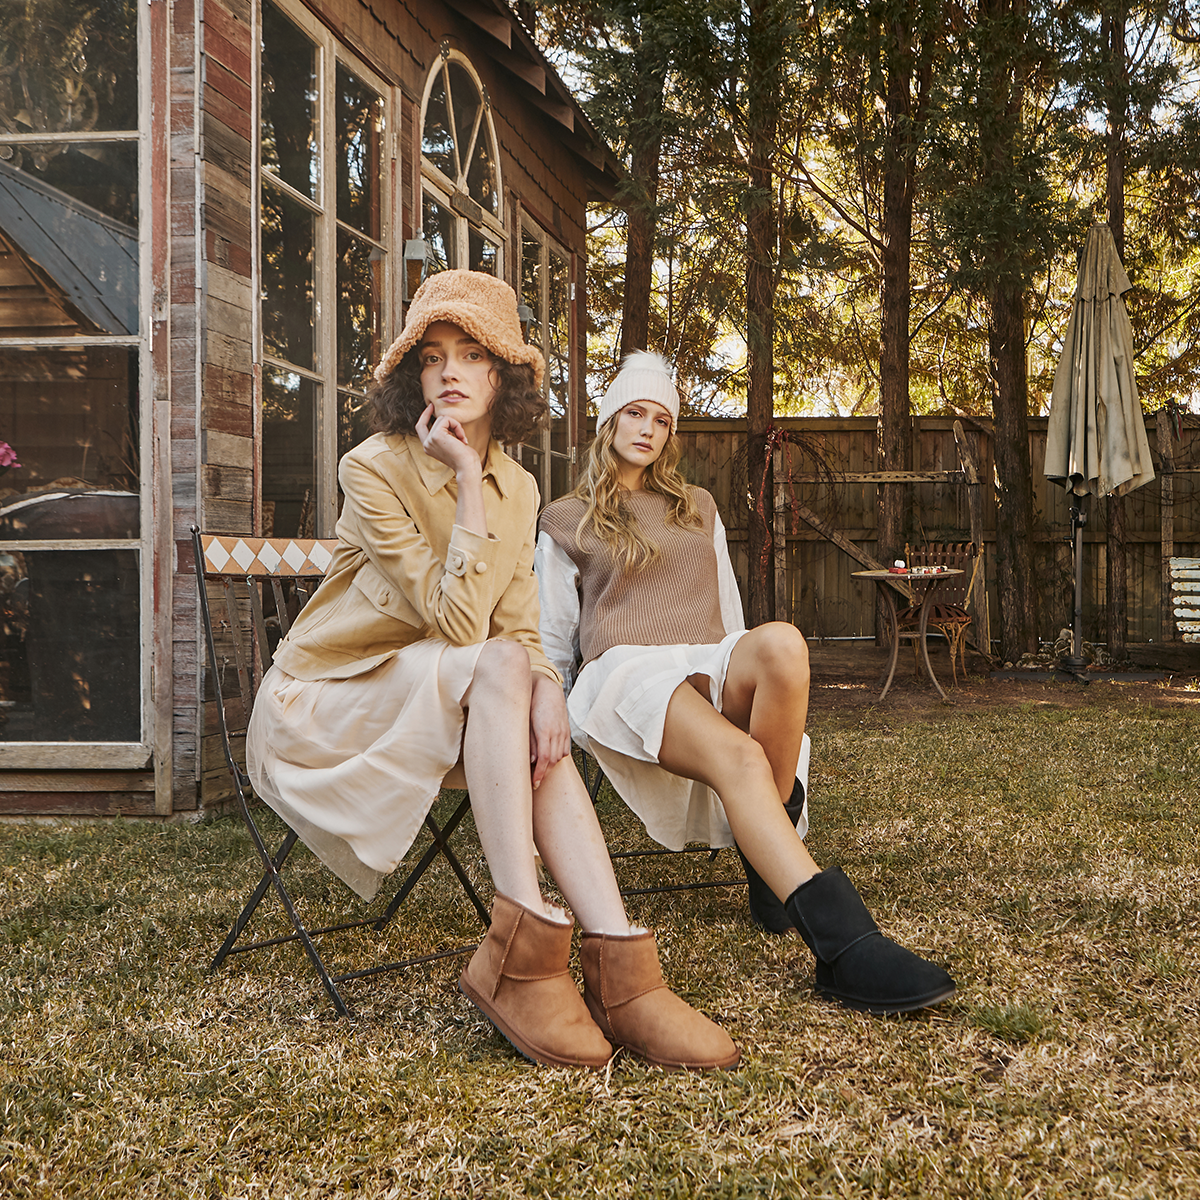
x=519, y=409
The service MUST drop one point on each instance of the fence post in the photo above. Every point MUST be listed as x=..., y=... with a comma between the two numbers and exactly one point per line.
x=1166, y=476
x=783, y=610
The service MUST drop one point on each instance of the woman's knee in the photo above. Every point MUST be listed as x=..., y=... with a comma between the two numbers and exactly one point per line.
x=502, y=666
x=781, y=650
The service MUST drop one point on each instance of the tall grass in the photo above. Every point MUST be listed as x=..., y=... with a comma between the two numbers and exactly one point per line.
x=1048, y=857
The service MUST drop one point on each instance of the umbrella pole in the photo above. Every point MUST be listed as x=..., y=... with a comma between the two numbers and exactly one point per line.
x=1074, y=663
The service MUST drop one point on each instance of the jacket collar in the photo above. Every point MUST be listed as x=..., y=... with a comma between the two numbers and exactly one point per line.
x=435, y=475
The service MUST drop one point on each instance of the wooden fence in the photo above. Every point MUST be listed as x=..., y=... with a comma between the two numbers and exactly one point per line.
x=820, y=474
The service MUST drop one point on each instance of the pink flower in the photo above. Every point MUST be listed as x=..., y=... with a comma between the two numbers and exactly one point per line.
x=8, y=456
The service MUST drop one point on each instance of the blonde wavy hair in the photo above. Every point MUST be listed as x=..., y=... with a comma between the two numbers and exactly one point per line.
x=607, y=512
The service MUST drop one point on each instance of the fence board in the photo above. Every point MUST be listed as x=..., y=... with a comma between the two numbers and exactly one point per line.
x=823, y=599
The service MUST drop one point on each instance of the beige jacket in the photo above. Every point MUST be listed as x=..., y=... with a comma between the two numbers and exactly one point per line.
x=404, y=571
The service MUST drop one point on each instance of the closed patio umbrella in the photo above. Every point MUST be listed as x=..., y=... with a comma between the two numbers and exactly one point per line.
x=1096, y=444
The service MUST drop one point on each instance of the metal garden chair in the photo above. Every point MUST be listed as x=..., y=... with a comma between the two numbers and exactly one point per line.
x=949, y=614
x=593, y=778
x=265, y=582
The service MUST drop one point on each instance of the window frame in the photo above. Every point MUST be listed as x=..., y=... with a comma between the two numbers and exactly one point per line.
x=330, y=53
x=436, y=184
x=130, y=755
x=549, y=245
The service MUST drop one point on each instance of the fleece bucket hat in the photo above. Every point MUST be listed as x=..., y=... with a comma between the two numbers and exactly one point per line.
x=486, y=307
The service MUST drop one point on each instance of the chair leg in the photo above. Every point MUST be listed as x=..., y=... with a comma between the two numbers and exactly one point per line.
x=440, y=845
x=271, y=877
x=243, y=918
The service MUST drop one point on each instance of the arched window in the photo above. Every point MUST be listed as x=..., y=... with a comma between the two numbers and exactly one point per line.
x=461, y=201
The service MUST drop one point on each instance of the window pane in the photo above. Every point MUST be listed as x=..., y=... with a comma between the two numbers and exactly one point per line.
x=359, y=125
x=438, y=225
x=70, y=666
x=289, y=103
x=68, y=240
x=437, y=140
x=66, y=67
x=289, y=479
x=287, y=278
x=531, y=283
x=354, y=420
x=71, y=417
x=467, y=106
x=359, y=316
x=484, y=254
x=534, y=461
x=560, y=476
x=481, y=176
x=558, y=363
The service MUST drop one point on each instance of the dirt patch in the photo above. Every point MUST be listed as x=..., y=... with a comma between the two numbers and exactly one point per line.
x=849, y=675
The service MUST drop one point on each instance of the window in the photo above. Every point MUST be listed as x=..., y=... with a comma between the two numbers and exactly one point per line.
x=461, y=216
x=323, y=264
x=72, y=377
x=547, y=294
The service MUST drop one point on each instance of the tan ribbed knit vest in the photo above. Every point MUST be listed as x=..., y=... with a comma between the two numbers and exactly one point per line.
x=674, y=601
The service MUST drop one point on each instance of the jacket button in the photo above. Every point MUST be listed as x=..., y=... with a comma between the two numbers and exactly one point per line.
x=385, y=597
x=480, y=567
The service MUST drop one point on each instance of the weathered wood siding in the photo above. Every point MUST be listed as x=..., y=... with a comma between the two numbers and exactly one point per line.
x=215, y=381
x=824, y=599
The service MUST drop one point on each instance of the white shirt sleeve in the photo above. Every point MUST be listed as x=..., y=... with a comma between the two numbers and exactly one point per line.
x=732, y=616
x=558, y=594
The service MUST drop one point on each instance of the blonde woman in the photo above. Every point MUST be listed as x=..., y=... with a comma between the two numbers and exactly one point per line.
x=420, y=652
x=698, y=723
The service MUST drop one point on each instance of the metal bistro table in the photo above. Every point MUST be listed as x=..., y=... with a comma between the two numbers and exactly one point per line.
x=890, y=581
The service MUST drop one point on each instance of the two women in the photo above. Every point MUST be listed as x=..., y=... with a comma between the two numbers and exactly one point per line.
x=420, y=652
x=677, y=701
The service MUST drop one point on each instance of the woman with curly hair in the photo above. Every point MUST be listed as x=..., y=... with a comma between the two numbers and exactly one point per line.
x=698, y=723
x=419, y=654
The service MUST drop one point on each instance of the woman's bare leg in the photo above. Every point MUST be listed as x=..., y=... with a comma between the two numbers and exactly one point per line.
x=572, y=846
x=766, y=695
x=512, y=819
x=700, y=743
x=496, y=761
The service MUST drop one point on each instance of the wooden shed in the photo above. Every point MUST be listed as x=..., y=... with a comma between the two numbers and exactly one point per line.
x=212, y=215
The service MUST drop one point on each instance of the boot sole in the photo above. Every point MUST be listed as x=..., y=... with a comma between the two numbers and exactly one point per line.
x=678, y=1066
x=880, y=1010
x=518, y=1043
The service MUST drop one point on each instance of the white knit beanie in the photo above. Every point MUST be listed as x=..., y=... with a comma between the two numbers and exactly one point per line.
x=643, y=376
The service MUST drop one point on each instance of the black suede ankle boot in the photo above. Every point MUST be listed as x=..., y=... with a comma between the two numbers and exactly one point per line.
x=856, y=964
x=766, y=909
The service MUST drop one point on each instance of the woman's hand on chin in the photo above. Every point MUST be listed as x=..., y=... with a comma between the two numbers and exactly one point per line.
x=443, y=438
x=549, y=728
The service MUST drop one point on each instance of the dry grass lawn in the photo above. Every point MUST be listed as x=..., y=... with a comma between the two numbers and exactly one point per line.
x=1045, y=852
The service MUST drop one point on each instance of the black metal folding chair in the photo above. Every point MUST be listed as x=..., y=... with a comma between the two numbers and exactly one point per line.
x=593, y=778
x=265, y=582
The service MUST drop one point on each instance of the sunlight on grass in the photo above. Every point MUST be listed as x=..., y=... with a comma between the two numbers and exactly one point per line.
x=1047, y=856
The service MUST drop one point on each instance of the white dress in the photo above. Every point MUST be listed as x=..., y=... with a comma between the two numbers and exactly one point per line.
x=617, y=703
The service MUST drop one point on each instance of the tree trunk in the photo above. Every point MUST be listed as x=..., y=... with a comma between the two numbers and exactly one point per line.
x=646, y=135
x=1014, y=470
x=1116, y=557
x=1002, y=95
x=895, y=426
x=763, y=84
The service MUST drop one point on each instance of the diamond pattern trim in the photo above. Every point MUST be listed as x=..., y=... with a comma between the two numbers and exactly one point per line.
x=233, y=555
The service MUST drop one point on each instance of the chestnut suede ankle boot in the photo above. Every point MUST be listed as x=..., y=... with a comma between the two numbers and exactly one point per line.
x=766, y=909
x=625, y=993
x=856, y=964
x=518, y=979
